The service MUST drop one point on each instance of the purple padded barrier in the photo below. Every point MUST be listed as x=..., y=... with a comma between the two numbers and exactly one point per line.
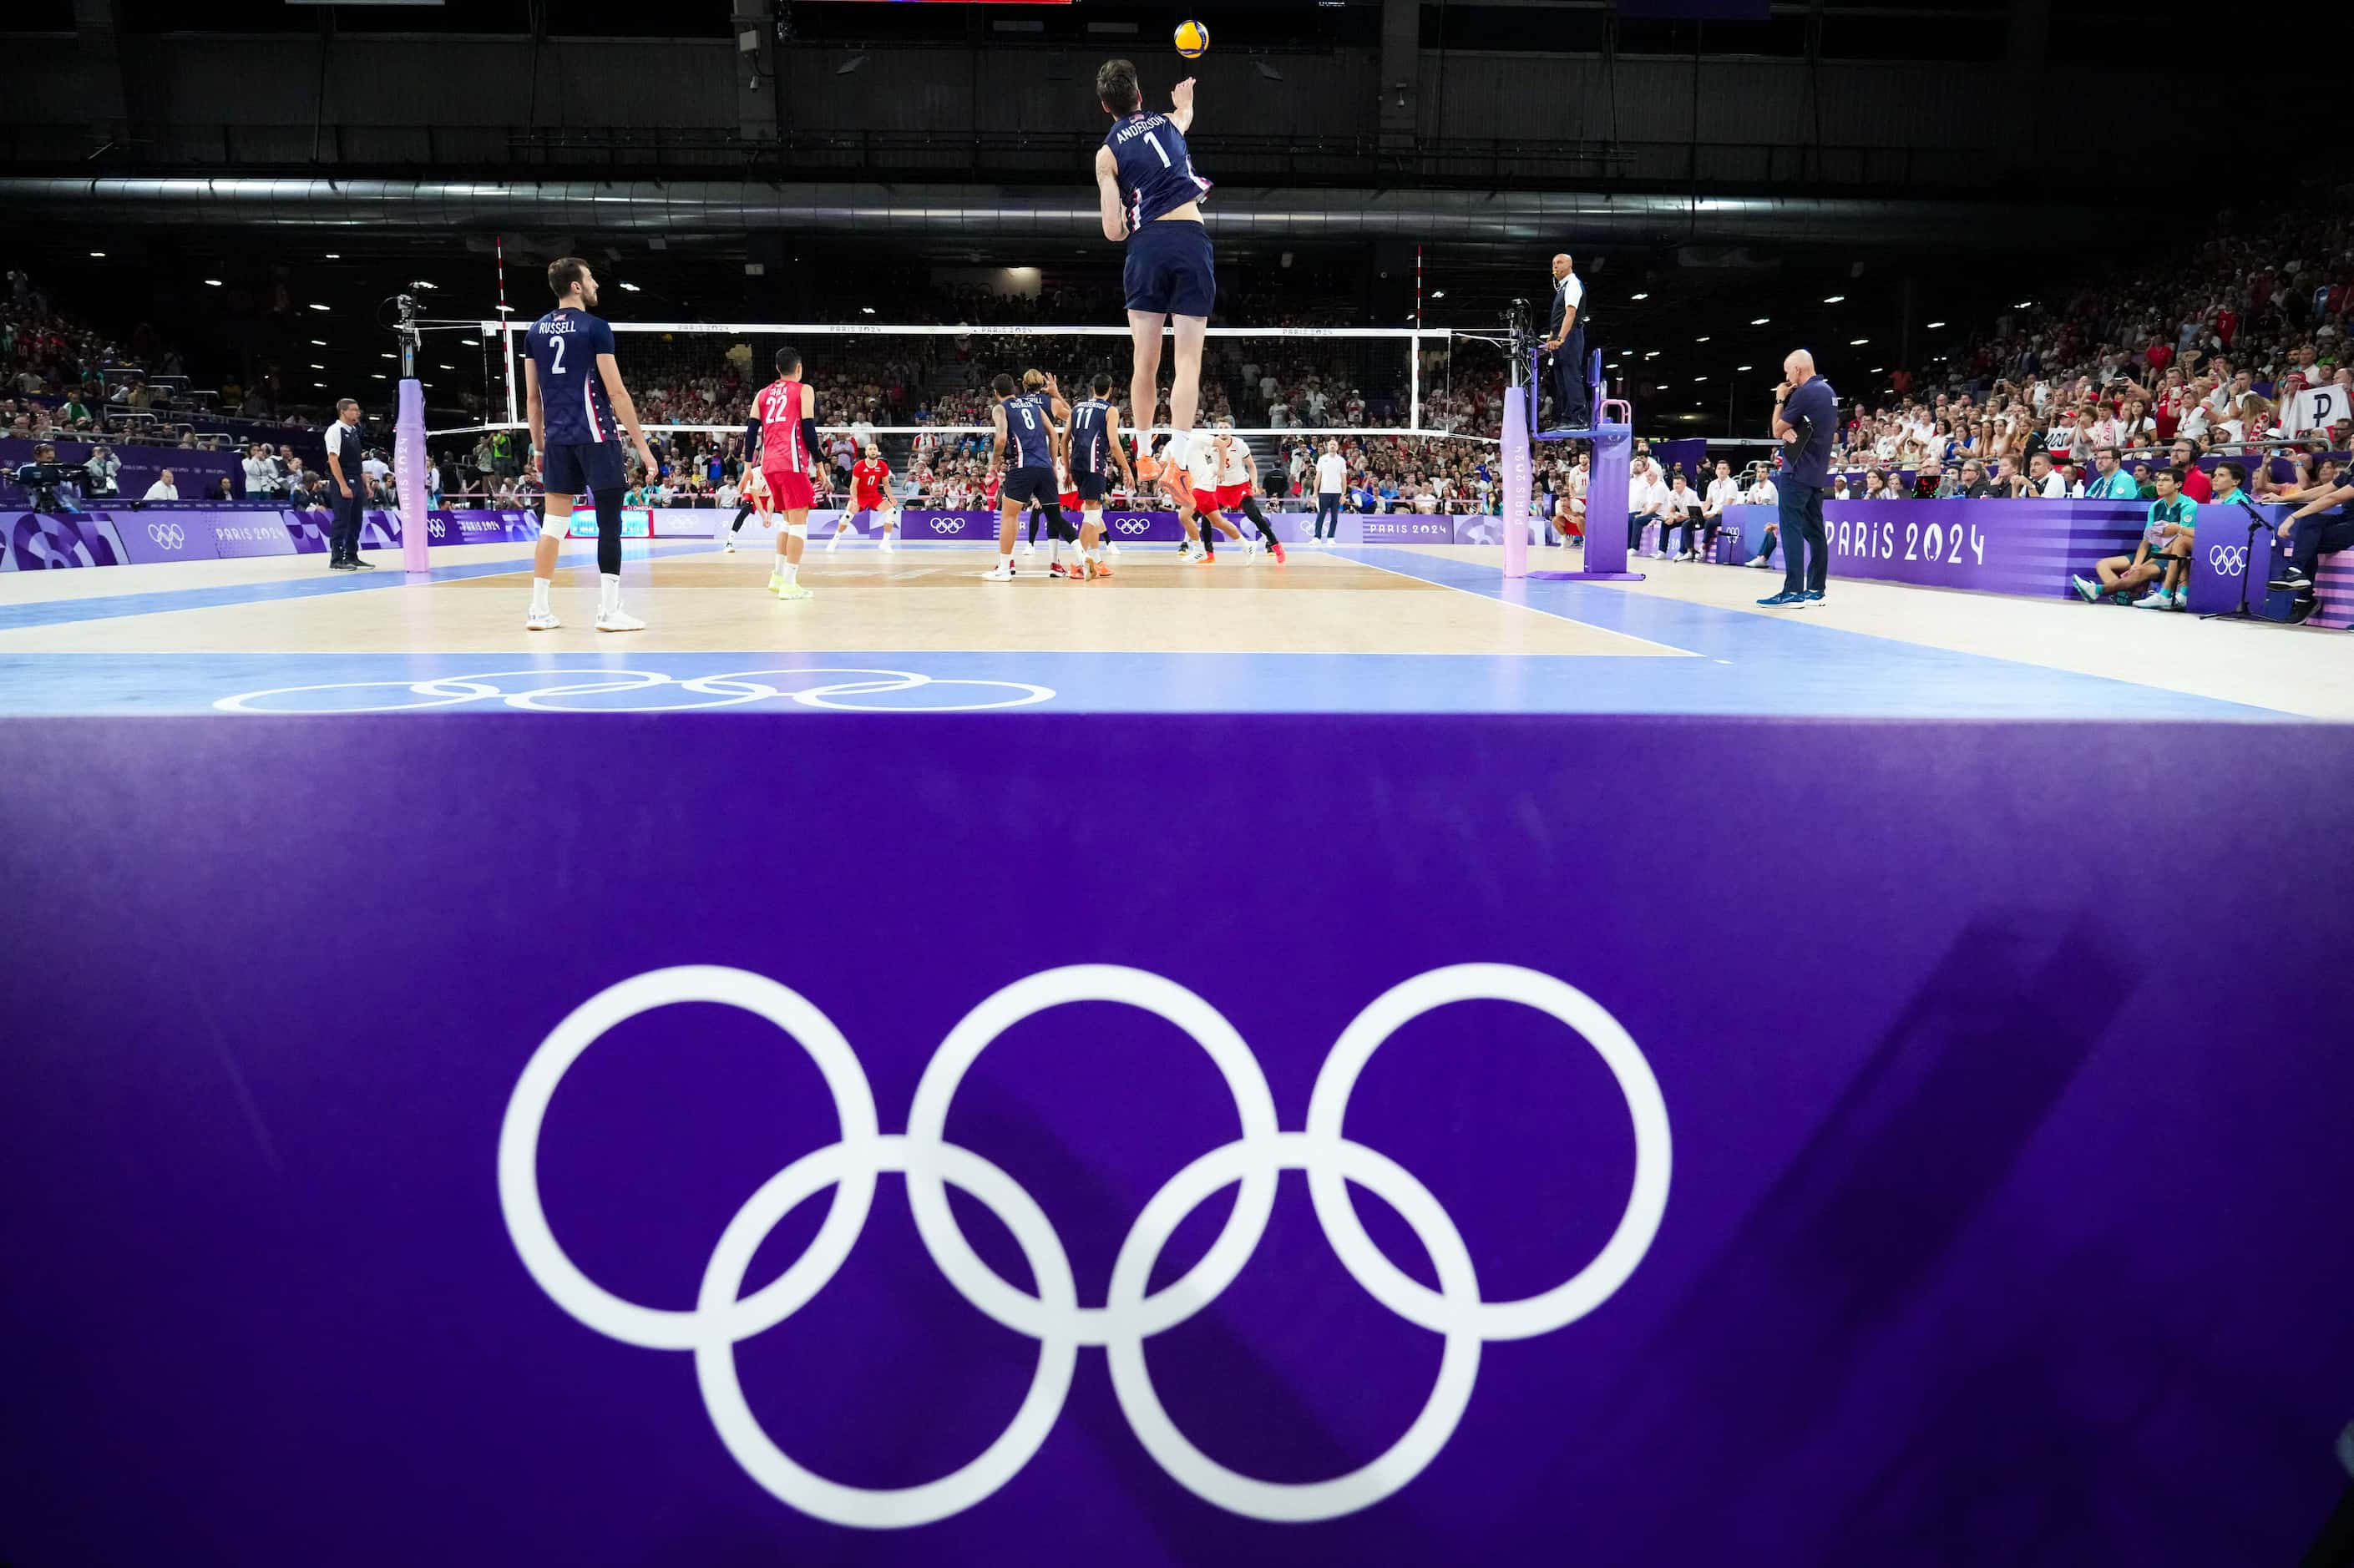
x=41, y=541
x=194, y=533
x=1998, y=1224
x=409, y=470
x=2227, y=555
x=1515, y=450
x=193, y=473
x=2334, y=587
x=1995, y=546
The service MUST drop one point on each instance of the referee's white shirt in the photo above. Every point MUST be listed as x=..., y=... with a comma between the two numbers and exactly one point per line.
x=344, y=442
x=1569, y=294
x=1332, y=474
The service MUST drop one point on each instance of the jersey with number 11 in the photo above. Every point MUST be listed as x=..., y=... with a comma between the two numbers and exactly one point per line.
x=1156, y=171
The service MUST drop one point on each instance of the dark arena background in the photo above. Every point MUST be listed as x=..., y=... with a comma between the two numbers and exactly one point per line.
x=1543, y=781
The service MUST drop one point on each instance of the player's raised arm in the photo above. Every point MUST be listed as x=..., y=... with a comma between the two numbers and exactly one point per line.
x=1118, y=447
x=535, y=413
x=1181, y=111
x=1107, y=203
x=608, y=370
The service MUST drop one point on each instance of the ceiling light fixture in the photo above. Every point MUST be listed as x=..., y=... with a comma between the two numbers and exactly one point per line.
x=1834, y=299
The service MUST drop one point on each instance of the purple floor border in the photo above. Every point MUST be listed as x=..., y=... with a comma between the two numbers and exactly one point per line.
x=1998, y=1224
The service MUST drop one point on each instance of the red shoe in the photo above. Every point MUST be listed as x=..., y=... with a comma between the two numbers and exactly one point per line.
x=1277, y=546
x=1056, y=571
x=1207, y=559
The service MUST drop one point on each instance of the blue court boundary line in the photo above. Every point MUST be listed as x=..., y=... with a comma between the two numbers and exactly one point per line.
x=163, y=601
x=1729, y=635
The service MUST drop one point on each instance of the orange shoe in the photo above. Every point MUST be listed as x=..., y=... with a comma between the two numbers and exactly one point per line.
x=1277, y=546
x=1102, y=571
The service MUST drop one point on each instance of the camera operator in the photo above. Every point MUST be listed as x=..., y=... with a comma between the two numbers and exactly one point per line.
x=102, y=466
x=50, y=482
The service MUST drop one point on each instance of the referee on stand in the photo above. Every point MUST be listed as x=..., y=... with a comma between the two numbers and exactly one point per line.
x=1566, y=343
x=347, y=491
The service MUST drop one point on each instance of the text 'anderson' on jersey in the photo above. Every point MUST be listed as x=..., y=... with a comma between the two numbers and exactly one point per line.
x=1156, y=171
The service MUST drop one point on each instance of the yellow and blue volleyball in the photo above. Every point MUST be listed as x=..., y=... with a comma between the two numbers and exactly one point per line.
x=1193, y=40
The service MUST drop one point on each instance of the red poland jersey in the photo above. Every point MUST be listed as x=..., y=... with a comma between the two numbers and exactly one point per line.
x=866, y=478
x=779, y=407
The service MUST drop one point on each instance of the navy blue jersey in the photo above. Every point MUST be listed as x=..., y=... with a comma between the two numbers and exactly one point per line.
x=1091, y=435
x=564, y=345
x=1029, y=430
x=1156, y=172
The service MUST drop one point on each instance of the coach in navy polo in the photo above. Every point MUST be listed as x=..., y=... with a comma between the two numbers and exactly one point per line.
x=1806, y=412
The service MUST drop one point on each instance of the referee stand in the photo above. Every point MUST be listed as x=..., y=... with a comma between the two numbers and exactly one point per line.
x=1605, y=557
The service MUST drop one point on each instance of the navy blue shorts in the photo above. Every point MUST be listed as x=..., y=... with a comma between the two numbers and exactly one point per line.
x=1090, y=486
x=1024, y=485
x=574, y=468
x=1169, y=269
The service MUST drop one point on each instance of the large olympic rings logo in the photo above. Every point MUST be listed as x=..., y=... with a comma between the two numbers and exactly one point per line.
x=947, y=524
x=728, y=691
x=2229, y=559
x=723, y=1316
x=1133, y=525
x=171, y=535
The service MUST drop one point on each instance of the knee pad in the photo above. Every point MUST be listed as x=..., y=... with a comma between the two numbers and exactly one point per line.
x=797, y=530
x=555, y=527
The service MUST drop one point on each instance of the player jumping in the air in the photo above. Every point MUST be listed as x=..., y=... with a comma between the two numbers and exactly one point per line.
x=755, y=499
x=1091, y=449
x=870, y=493
x=1150, y=196
x=785, y=412
x=1024, y=422
x=573, y=393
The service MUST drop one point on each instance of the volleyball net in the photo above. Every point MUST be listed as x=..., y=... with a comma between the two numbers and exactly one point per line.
x=1287, y=384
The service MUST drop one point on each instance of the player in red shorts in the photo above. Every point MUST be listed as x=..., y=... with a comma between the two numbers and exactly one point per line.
x=786, y=414
x=1235, y=473
x=1170, y=482
x=755, y=498
x=870, y=491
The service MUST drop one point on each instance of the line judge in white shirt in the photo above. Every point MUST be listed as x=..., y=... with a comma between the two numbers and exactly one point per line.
x=163, y=489
x=1332, y=484
x=1724, y=491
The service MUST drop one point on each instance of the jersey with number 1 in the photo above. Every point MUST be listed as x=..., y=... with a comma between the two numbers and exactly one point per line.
x=1029, y=430
x=564, y=345
x=779, y=407
x=1156, y=171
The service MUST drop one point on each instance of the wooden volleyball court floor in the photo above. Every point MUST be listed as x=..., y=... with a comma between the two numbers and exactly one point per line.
x=1355, y=629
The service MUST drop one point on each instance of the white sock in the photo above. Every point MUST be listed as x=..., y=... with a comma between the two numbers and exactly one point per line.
x=793, y=574
x=1053, y=550
x=610, y=598
x=1179, y=444
x=540, y=588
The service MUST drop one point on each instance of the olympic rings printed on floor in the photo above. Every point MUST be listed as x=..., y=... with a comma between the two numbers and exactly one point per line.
x=723, y=1316
x=724, y=691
